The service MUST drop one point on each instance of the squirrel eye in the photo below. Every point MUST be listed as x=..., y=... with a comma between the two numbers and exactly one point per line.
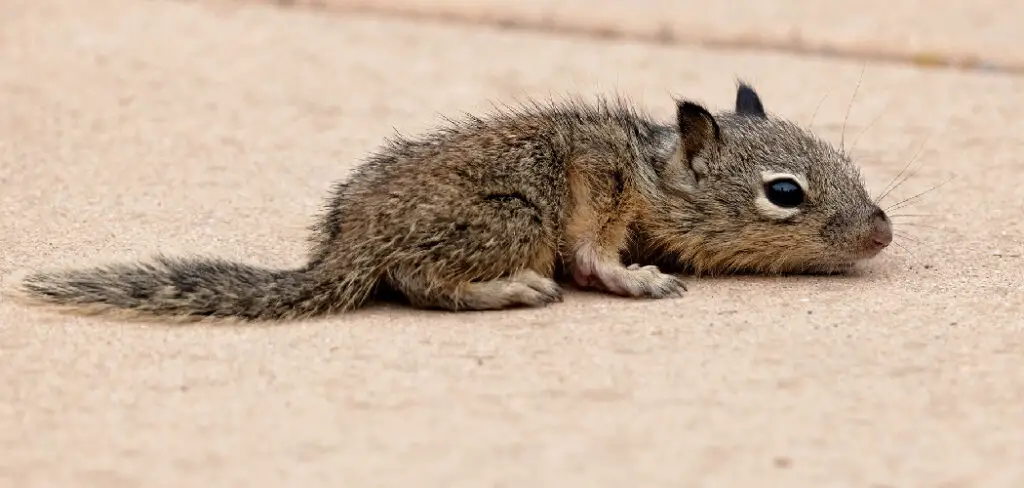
x=784, y=192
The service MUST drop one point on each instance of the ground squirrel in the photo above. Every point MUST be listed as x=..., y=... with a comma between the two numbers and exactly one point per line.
x=495, y=212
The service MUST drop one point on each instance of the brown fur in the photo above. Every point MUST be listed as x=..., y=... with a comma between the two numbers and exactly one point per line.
x=484, y=214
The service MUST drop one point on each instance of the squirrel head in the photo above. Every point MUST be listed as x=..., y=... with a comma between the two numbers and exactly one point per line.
x=758, y=193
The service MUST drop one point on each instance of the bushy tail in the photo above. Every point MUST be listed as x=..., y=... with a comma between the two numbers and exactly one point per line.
x=192, y=289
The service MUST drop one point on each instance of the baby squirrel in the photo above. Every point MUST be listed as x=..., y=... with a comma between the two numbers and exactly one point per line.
x=494, y=212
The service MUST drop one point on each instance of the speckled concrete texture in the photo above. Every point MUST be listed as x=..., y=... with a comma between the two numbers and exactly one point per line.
x=129, y=128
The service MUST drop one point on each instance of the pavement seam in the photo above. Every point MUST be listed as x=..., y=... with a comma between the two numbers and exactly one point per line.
x=744, y=42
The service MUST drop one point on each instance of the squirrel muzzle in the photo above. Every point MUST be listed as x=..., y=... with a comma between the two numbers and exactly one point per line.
x=879, y=235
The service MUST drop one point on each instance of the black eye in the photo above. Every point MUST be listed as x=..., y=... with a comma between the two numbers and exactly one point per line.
x=784, y=192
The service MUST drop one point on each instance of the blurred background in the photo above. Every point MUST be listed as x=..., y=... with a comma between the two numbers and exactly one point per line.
x=978, y=34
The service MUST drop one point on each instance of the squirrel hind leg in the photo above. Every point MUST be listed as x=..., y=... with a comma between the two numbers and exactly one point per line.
x=525, y=288
x=592, y=269
x=503, y=256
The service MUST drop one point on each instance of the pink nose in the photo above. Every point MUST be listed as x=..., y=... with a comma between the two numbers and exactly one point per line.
x=881, y=231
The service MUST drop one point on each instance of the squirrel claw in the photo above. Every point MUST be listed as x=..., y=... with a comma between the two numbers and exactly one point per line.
x=651, y=282
x=634, y=281
x=546, y=290
x=524, y=289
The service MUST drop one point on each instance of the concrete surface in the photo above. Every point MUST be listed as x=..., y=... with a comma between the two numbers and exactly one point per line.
x=982, y=34
x=132, y=127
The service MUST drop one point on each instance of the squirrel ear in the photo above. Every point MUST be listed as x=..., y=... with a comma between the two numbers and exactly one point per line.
x=748, y=102
x=697, y=128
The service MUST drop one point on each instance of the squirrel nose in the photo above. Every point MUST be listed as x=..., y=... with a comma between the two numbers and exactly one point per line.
x=881, y=230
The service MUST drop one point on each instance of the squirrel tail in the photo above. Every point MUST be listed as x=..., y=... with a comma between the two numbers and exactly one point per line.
x=192, y=290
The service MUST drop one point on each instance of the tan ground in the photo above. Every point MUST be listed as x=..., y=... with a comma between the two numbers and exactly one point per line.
x=131, y=127
x=983, y=33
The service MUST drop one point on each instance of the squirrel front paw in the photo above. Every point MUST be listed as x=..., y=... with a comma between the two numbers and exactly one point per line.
x=634, y=281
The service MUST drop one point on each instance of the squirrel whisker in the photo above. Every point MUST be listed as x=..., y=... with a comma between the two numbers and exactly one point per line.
x=849, y=108
x=917, y=154
x=906, y=202
x=917, y=224
x=814, y=114
x=906, y=250
x=853, y=147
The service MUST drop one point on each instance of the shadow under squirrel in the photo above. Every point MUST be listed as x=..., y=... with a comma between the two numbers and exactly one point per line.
x=493, y=212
